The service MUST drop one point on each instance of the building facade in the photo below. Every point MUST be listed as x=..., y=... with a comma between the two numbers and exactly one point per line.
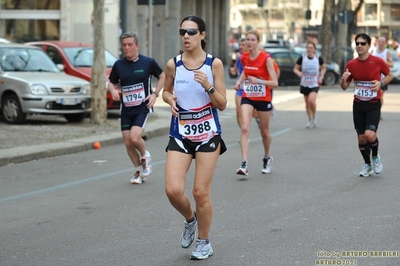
x=287, y=19
x=72, y=20
x=68, y=20
x=380, y=17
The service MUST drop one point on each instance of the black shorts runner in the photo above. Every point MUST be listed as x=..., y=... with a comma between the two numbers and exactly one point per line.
x=366, y=115
x=258, y=105
x=306, y=91
x=130, y=120
x=190, y=147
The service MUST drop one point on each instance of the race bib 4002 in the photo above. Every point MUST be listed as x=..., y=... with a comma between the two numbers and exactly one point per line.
x=254, y=90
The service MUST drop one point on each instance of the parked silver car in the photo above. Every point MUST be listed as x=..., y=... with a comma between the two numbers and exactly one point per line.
x=31, y=83
x=395, y=70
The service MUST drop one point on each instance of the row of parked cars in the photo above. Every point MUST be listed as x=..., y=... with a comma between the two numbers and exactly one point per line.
x=286, y=57
x=51, y=77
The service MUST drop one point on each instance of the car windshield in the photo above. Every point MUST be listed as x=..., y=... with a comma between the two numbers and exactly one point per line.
x=83, y=56
x=25, y=59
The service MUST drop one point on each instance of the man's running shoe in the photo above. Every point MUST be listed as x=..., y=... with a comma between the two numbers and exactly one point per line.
x=146, y=167
x=267, y=162
x=366, y=170
x=376, y=162
x=243, y=169
x=309, y=123
x=202, y=251
x=189, y=233
x=148, y=157
x=137, y=178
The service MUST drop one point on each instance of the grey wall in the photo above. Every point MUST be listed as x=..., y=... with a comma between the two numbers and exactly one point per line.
x=165, y=39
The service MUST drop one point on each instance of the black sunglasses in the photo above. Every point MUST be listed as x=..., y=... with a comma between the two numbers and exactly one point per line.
x=362, y=43
x=191, y=32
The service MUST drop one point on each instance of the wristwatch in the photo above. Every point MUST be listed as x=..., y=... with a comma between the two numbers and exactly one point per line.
x=211, y=90
x=156, y=93
x=382, y=84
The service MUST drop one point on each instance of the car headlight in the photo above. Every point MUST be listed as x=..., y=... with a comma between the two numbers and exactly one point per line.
x=336, y=67
x=86, y=89
x=38, y=89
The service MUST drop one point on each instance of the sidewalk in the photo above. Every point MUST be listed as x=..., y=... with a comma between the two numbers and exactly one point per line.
x=155, y=128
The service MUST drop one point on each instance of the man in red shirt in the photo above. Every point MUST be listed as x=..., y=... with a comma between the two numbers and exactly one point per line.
x=366, y=71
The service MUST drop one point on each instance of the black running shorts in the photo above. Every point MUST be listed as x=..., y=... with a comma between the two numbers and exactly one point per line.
x=190, y=147
x=366, y=115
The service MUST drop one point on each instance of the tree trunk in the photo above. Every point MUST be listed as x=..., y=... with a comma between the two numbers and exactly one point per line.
x=326, y=30
x=98, y=82
x=341, y=34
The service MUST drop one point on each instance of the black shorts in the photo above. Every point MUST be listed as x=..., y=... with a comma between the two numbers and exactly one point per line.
x=190, y=147
x=130, y=120
x=306, y=90
x=366, y=115
x=258, y=105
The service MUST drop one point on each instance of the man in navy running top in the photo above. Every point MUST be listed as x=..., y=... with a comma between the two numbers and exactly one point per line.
x=133, y=74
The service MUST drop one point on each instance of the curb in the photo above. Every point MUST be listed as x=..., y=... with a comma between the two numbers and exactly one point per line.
x=156, y=128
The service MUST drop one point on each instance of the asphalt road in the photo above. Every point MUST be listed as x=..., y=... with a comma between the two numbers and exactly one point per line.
x=80, y=209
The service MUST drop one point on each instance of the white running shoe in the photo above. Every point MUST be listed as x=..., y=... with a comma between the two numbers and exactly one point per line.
x=148, y=157
x=309, y=123
x=376, y=162
x=137, y=178
x=203, y=250
x=367, y=169
x=147, y=169
x=315, y=122
x=267, y=165
x=243, y=169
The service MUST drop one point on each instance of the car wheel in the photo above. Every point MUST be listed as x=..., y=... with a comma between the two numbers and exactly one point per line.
x=329, y=78
x=75, y=118
x=12, y=111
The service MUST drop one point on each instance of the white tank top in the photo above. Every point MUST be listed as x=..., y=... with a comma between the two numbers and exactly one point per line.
x=310, y=69
x=382, y=54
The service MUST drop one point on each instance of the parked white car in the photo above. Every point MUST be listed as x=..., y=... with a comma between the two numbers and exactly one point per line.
x=31, y=83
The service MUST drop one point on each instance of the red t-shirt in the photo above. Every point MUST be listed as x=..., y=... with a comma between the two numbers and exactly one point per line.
x=368, y=70
x=256, y=68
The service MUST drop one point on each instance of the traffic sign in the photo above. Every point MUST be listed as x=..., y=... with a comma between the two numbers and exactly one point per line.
x=346, y=16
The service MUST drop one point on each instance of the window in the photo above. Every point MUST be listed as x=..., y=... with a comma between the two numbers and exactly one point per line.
x=395, y=12
x=30, y=20
x=30, y=4
x=370, y=12
x=25, y=30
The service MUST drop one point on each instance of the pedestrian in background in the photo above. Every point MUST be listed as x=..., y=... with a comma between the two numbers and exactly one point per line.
x=381, y=51
x=195, y=90
x=237, y=70
x=133, y=72
x=257, y=79
x=310, y=68
x=366, y=71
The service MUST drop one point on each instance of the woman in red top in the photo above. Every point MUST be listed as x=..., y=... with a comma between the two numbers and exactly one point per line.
x=258, y=78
